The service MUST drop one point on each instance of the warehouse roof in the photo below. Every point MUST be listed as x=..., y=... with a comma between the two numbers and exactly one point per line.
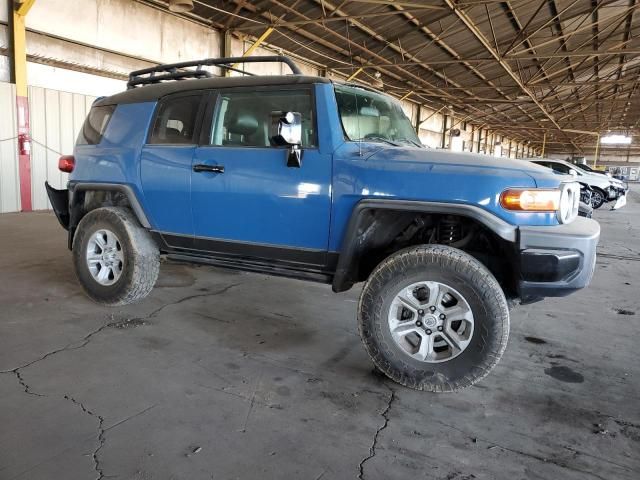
x=567, y=67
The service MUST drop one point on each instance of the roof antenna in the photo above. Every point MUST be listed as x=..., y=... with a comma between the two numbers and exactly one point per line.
x=355, y=96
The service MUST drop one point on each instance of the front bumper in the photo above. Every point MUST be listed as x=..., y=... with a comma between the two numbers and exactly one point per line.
x=557, y=260
x=615, y=192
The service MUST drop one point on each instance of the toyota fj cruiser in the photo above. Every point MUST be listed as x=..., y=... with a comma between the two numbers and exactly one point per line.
x=319, y=180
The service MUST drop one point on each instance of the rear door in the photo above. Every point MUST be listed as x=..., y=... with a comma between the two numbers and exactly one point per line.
x=254, y=204
x=166, y=165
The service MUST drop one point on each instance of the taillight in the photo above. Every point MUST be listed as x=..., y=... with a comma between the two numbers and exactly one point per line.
x=66, y=163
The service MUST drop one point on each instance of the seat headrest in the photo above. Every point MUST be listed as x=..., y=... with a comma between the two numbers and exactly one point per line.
x=243, y=124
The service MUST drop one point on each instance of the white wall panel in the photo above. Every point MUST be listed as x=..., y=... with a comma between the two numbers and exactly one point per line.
x=9, y=178
x=56, y=118
x=127, y=27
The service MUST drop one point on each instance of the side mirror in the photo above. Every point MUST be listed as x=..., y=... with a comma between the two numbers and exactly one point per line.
x=286, y=130
x=573, y=173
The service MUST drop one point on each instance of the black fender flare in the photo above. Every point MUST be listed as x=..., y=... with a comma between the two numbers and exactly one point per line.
x=77, y=187
x=352, y=241
x=126, y=190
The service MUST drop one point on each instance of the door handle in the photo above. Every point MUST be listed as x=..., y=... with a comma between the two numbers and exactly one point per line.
x=201, y=167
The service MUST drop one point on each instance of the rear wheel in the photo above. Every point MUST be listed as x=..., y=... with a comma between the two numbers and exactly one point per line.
x=115, y=259
x=433, y=318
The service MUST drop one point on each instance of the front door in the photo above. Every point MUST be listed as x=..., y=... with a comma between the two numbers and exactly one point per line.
x=245, y=199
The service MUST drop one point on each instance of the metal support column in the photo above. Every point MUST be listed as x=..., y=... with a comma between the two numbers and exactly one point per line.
x=596, y=157
x=18, y=61
x=444, y=131
x=225, y=49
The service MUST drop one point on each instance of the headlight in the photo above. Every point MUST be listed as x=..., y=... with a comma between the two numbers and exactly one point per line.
x=531, y=200
x=564, y=201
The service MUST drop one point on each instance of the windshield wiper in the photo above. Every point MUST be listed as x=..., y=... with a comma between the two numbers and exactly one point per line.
x=412, y=142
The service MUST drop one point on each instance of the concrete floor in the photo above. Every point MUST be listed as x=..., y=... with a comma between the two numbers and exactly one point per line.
x=223, y=375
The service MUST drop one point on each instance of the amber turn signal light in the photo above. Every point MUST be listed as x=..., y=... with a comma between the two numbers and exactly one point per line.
x=531, y=200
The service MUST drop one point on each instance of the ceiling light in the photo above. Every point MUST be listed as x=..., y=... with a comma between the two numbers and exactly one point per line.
x=616, y=140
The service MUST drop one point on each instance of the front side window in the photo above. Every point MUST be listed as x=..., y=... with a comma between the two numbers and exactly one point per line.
x=371, y=116
x=95, y=125
x=175, y=121
x=243, y=118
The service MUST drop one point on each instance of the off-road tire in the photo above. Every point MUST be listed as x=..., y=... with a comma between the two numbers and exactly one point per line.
x=461, y=271
x=141, y=255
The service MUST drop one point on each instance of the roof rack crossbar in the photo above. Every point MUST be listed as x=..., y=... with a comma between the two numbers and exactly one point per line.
x=174, y=71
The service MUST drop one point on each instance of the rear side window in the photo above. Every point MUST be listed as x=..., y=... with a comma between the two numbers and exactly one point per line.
x=175, y=122
x=95, y=125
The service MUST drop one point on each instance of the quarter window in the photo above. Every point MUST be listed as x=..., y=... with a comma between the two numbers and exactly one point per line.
x=243, y=119
x=175, y=122
x=95, y=125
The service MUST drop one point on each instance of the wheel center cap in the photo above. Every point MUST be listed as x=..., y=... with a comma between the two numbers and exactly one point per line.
x=430, y=321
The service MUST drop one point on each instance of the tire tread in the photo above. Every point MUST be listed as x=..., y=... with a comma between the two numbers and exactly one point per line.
x=370, y=313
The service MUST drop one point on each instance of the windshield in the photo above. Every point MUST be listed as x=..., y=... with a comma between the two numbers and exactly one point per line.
x=373, y=117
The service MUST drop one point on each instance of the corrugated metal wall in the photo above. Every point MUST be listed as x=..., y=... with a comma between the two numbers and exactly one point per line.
x=56, y=119
x=9, y=180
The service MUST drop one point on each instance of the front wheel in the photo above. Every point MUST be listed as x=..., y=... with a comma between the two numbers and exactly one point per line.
x=597, y=199
x=115, y=259
x=433, y=318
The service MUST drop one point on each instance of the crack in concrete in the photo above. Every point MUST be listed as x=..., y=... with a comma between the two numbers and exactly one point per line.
x=87, y=338
x=557, y=462
x=84, y=342
x=191, y=297
x=101, y=438
x=372, y=449
x=550, y=460
x=70, y=346
x=27, y=388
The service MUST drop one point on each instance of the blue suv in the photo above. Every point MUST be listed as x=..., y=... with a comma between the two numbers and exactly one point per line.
x=319, y=180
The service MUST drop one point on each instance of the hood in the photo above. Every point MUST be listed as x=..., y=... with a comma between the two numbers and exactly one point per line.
x=455, y=162
x=418, y=174
x=594, y=179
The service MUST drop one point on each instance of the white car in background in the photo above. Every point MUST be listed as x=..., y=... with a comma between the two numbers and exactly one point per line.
x=620, y=185
x=605, y=189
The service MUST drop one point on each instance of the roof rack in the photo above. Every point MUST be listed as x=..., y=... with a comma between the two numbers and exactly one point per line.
x=175, y=71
